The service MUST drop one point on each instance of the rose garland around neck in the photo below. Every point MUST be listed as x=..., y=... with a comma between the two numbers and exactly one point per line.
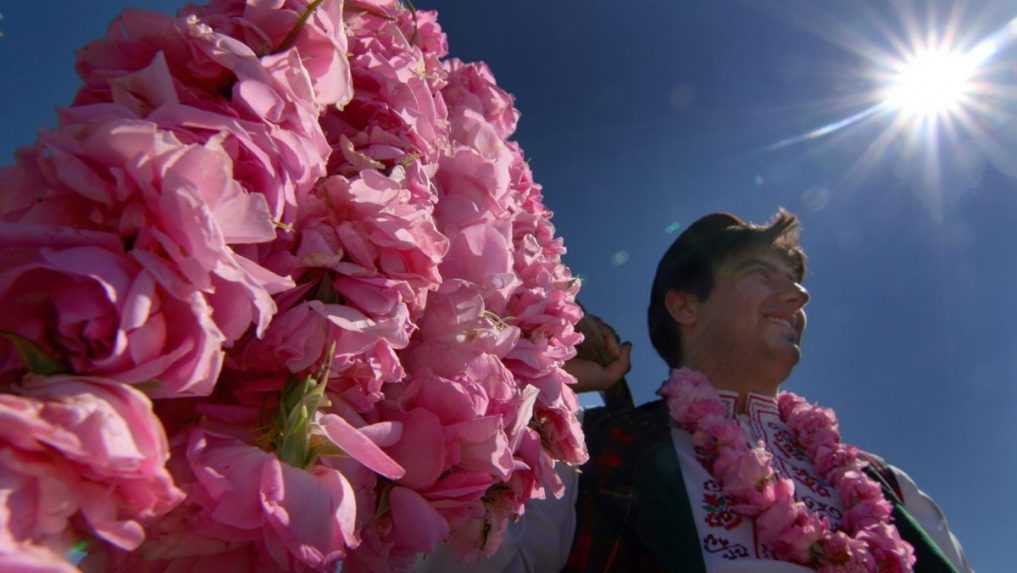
x=868, y=541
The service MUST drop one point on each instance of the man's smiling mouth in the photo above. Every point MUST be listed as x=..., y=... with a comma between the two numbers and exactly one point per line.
x=788, y=324
x=782, y=321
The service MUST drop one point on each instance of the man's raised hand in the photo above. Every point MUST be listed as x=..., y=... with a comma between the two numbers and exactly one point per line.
x=600, y=361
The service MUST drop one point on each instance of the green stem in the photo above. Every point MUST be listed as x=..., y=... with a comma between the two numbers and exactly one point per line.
x=291, y=37
x=413, y=14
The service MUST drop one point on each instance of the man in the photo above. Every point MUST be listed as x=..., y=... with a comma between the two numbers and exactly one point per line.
x=726, y=303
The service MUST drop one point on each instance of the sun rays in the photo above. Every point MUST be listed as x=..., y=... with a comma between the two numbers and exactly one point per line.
x=926, y=87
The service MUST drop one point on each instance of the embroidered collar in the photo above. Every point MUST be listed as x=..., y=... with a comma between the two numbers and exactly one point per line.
x=755, y=403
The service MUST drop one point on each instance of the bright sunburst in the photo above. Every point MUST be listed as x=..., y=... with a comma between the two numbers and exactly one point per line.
x=934, y=94
x=931, y=83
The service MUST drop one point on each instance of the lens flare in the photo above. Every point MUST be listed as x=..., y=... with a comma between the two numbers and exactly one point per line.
x=932, y=83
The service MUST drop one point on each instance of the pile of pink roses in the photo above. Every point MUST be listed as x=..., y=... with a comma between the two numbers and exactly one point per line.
x=278, y=292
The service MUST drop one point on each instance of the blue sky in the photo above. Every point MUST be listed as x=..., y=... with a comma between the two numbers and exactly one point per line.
x=639, y=117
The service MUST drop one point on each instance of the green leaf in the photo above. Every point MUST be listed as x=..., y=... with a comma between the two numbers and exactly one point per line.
x=321, y=446
x=413, y=12
x=293, y=447
x=77, y=553
x=325, y=293
x=384, y=487
x=300, y=400
x=34, y=357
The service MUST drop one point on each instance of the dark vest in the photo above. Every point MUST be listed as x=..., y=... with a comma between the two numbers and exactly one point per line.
x=633, y=512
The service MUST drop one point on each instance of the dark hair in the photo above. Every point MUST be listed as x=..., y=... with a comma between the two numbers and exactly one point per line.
x=690, y=262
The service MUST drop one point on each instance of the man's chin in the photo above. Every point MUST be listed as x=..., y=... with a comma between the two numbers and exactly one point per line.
x=794, y=353
x=789, y=349
x=787, y=356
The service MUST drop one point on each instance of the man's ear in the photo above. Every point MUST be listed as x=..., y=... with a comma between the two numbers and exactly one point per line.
x=682, y=306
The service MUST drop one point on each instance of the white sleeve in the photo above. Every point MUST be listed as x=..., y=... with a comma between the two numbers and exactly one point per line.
x=931, y=518
x=540, y=541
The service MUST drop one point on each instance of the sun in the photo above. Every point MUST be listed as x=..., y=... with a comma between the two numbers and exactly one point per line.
x=931, y=83
x=929, y=95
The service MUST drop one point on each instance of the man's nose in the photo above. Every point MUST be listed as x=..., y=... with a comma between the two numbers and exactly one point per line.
x=794, y=293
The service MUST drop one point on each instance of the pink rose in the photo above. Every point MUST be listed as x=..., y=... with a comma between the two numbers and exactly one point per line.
x=364, y=358
x=472, y=86
x=773, y=520
x=280, y=165
x=374, y=225
x=855, y=487
x=477, y=534
x=416, y=525
x=307, y=516
x=362, y=444
x=814, y=427
x=747, y=476
x=432, y=43
x=480, y=444
x=788, y=403
x=85, y=302
x=482, y=254
x=25, y=558
x=796, y=541
x=722, y=431
x=541, y=464
x=453, y=401
x=498, y=384
x=550, y=312
x=843, y=554
x=421, y=450
x=459, y=486
x=455, y=330
x=133, y=40
x=692, y=401
x=295, y=335
x=830, y=456
x=892, y=554
x=175, y=71
x=867, y=512
x=554, y=418
x=175, y=206
x=75, y=445
x=473, y=189
x=321, y=44
x=394, y=112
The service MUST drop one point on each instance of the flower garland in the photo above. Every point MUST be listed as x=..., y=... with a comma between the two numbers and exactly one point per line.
x=867, y=542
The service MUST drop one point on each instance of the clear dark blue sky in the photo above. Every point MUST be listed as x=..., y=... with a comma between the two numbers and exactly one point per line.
x=638, y=117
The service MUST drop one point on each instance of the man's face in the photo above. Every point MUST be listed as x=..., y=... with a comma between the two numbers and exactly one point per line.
x=754, y=317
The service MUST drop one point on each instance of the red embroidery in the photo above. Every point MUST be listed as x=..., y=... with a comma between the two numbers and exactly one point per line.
x=717, y=507
x=812, y=482
x=817, y=506
x=785, y=443
x=781, y=466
